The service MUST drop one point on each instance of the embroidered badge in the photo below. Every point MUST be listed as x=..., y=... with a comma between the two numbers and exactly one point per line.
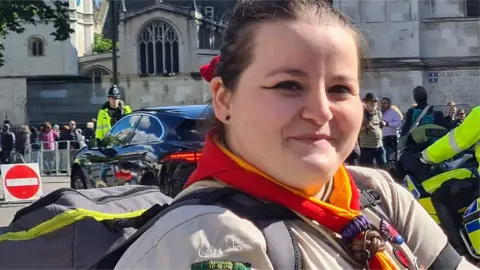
x=221, y=265
x=401, y=257
x=389, y=233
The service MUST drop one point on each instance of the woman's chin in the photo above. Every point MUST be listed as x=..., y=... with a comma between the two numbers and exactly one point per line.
x=321, y=163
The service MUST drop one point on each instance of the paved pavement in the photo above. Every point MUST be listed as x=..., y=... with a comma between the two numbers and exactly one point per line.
x=49, y=184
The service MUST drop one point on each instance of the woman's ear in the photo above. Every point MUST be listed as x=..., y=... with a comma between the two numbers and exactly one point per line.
x=220, y=99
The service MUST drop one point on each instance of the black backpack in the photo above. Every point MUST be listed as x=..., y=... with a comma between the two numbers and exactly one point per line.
x=270, y=218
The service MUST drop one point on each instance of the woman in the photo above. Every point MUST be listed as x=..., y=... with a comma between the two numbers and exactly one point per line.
x=285, y=92
x=47, y=137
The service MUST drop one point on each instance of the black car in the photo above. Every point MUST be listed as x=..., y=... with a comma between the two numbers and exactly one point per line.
x=155, y=146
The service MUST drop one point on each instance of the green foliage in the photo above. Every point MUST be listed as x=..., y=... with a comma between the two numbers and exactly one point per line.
x=13, y=14
x=102, y=45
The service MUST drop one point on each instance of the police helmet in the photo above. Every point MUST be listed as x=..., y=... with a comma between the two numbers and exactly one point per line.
x=114, y=91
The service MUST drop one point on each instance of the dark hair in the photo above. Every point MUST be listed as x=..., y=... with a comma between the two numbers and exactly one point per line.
x=387, y=99
x=420, y=95
x=238, y=41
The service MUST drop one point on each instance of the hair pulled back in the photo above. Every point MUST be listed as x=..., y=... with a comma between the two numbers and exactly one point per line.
x=237, y=47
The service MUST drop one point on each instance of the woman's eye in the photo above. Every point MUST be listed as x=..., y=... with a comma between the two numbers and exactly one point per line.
x=289, y=85
x=339, y=89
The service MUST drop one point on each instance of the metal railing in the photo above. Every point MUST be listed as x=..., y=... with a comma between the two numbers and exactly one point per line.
x=56, y=161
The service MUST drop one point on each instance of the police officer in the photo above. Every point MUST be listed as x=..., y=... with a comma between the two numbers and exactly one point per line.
x=455, y=194
x=112, y=111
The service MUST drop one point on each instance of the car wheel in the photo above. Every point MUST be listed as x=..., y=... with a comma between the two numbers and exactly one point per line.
x=78, y=180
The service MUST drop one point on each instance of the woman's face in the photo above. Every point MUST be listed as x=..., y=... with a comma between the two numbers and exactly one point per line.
x=296, y=112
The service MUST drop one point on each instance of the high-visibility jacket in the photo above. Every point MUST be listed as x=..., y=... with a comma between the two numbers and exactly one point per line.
x=104, y=123
x=457, y=140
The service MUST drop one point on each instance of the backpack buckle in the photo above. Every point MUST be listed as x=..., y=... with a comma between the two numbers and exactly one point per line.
x=369, y=198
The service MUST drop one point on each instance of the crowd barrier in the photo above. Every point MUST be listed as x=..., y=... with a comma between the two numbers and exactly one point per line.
x=55, y=161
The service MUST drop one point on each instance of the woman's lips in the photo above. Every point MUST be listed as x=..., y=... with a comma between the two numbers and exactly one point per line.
x=315, y=141
x=312, y=137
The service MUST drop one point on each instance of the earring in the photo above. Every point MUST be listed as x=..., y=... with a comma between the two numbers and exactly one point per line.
x=227, y=118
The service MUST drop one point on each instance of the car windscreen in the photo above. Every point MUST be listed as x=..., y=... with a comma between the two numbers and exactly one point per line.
x=192, y=130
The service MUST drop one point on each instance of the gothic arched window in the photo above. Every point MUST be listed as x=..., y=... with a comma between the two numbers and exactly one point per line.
x=97, y=71
x=36, y=47
x=158, y=45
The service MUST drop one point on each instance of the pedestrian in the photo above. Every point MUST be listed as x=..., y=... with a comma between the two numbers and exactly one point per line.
x=88, y=133
x=421, y=97
x=460, y=118
x=23, y=140
x=7, y=144
x=64, y=144
x=390, y=131
x=370, y=137
x=76, y=137
x=34, y=145
x=450, y=118
x=48, y=137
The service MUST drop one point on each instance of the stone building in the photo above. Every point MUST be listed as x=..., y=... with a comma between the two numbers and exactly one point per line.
x=162, y=44
x=434, y=43
x=163, y=37
x=35, y=53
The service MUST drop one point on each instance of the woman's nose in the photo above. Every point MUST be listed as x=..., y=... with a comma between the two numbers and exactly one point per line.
x=317, y=107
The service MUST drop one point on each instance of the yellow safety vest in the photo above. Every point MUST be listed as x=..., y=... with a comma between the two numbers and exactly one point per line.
x=104, y=120
x=457, y=140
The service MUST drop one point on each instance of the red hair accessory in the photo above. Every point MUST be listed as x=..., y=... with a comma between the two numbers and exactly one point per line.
x=208, y=69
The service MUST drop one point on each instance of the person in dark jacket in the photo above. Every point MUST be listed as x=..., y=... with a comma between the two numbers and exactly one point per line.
x=35, y=145
x=64, y=138
x=23, y=140
x=420, y=96
x=89, y=133
x=7, y=144
x=76, y=138
x=450, y=119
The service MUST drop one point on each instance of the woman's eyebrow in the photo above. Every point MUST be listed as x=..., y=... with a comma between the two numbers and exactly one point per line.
x=290, y=71
x=302, y=73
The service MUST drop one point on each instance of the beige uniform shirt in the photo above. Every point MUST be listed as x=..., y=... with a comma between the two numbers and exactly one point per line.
x=193, y=234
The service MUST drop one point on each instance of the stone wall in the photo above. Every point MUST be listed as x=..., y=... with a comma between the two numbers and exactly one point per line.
x=461, y=86
x=442, y=85
x=60, y=57
x=13, y=99
x=153, y=91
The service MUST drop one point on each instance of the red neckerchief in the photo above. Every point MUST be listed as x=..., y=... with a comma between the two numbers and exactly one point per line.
x=343, y=206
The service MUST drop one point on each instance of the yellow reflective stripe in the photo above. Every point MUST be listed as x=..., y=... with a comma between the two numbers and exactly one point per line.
x=103, y=127
x=432, y=184
x=453, y=142
x=426, y=157
x=65, y=219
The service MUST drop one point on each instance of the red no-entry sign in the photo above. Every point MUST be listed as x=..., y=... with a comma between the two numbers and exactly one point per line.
x=21, y=182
